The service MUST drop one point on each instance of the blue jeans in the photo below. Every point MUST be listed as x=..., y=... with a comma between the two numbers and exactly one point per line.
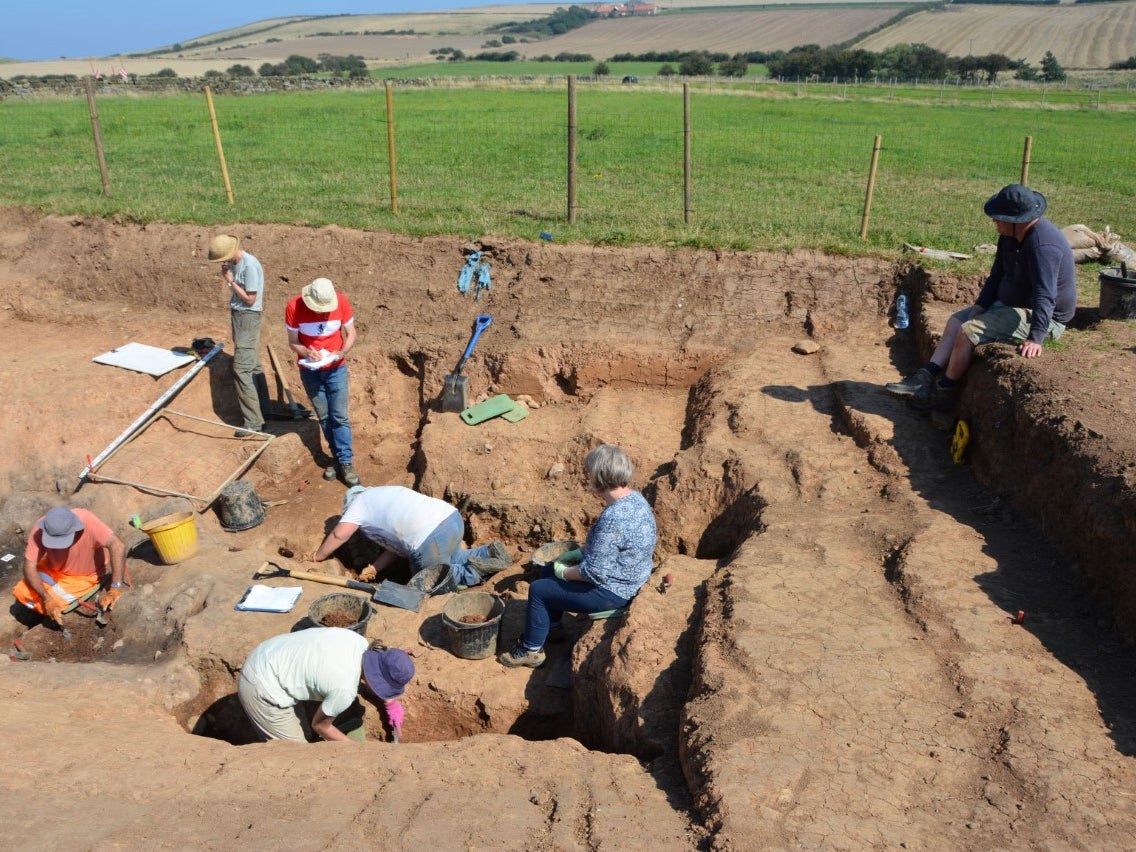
x=550, y=598
x=440, y=546
x=327, y=389
x=444, y=545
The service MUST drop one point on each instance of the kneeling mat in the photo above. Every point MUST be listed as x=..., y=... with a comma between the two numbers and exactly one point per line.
x=493, y=407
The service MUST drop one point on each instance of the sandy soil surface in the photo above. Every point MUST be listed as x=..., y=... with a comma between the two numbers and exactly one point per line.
x=836, y=664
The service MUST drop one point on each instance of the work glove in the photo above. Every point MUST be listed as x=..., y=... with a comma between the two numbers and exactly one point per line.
x=368, y=574
x=53, y=608
x=566, y=560
x=395, y=714
x=110, y=598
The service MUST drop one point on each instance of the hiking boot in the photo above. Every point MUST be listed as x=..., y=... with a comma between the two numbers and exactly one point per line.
x=520, y=656
x=350, y=477
x=497, y=560
x=329, y=472
x=918, y=382
x=935, y=398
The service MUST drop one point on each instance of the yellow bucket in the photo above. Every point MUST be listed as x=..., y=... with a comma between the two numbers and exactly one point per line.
x=174, y=536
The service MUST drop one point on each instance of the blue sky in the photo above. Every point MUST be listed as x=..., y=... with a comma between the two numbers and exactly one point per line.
x=50, y=29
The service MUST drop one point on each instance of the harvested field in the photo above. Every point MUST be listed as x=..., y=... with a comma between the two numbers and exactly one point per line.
x=1084, y=35
x=727, y=32
x=835, y=663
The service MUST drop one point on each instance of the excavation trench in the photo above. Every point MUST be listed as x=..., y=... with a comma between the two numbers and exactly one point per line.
x=835, y=663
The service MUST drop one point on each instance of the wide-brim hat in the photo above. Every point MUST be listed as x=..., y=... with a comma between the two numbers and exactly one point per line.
x=1015, y=204
x=58, y=527
x=222, y=247
x=387, y=672
x=320, y=296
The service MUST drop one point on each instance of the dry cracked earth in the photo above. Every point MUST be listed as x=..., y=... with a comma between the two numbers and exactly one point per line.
x=836, y=665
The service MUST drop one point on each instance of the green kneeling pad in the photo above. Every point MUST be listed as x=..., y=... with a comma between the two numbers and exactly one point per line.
x=501, y=405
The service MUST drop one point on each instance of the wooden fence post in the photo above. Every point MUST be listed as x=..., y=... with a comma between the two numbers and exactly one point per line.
x=871, y=188
x=217, y=139
x=686, y=167
x=98, y=134
x=391, y=150
x=1026, y=161
x=571, y=149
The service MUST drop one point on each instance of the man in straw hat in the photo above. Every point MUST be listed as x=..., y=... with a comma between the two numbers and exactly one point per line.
x=323, y=664
x=67, y=557
x=1028, y=298
x=244, y=278
x=321, y=331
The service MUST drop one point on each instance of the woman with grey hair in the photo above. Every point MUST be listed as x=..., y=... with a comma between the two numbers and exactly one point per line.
x=616, y=561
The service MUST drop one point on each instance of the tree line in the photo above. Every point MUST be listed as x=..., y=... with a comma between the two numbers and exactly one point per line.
x=811, y=61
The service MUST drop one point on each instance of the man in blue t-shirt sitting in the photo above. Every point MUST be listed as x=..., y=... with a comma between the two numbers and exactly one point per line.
x=1029, y=296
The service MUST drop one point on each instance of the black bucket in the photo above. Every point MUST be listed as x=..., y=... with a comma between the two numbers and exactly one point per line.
x=433, y=580
x=1117, y=293
x=240, y=508
x=338, y=607
x=475, y=638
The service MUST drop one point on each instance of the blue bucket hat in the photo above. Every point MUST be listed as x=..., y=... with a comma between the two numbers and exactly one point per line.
x=387, y=672
x=1015, y=204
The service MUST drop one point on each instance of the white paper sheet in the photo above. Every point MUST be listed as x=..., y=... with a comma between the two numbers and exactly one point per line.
x=260, y=598
x=141, y=358
x=324, y=359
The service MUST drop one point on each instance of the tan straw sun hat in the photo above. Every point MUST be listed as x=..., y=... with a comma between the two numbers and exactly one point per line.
x=222, y=247
x=320, y=296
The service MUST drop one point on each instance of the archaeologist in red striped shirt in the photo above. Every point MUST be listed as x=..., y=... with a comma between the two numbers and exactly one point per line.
x=68, y=556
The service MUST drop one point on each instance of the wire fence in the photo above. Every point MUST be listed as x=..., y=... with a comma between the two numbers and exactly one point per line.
x=769, y=168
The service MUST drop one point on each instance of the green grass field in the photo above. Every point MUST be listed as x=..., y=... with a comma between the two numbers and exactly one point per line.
x=770, y=169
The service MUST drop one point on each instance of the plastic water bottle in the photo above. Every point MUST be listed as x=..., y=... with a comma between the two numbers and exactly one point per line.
x=902, y=318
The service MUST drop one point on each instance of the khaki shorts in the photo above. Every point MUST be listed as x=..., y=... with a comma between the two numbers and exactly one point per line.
x=1000, y=323
x=273, y=723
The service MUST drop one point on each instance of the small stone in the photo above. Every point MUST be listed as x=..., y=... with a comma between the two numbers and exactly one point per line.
x=962, y=714
x=487, y=448
x=554, y=471
x=496, y=485
x=117, y=645
x=806, y=347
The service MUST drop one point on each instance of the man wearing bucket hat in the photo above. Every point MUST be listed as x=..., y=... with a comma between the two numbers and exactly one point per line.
x=321, y=331
x=1028, y=297
x=323, y=664
x=244, y=278
x=424, y=530
x=67, y=556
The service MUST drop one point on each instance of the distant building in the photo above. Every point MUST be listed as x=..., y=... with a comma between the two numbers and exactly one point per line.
x=623, y=10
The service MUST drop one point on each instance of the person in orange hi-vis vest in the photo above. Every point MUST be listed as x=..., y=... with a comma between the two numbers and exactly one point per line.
x=66, y=558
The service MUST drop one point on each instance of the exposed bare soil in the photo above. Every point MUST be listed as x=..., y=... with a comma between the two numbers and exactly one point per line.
x=835, y=663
